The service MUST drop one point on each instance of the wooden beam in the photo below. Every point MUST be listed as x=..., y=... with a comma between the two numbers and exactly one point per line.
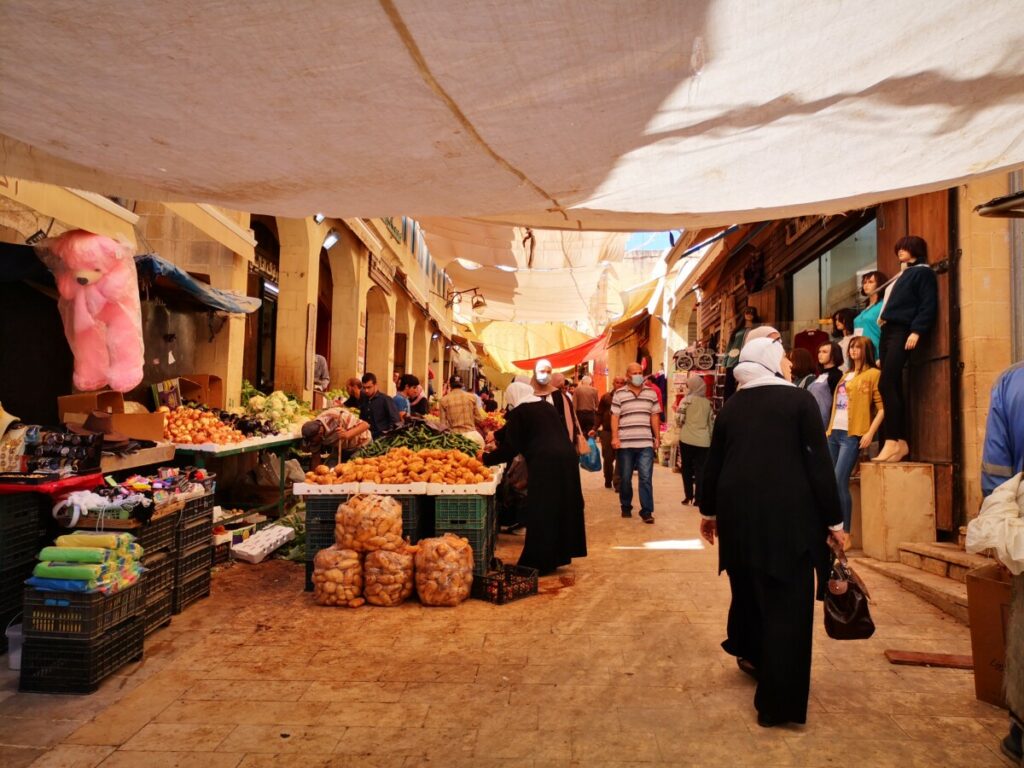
x=924, y=659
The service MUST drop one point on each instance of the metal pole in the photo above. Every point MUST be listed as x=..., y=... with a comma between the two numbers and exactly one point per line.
x=1017, y=275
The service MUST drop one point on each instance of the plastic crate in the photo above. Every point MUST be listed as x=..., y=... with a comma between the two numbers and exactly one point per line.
x=193, y=589
x=56, y=665
x=506, y=584
x=198, y=558
x=12, y=587
x=159, y=574
x=196, y=508
x=76, y=615
x=309, y=576
x=453, y=513
x=221, y=553
x=319, y=535
x=323, y=508
x=19, y=529
x=158, y=535
x=158, y=611
x=196, y=532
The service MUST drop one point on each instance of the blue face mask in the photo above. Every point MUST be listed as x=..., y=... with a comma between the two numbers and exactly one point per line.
x=637, y=380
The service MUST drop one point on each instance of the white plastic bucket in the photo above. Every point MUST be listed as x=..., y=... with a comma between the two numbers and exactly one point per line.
x=13, y=633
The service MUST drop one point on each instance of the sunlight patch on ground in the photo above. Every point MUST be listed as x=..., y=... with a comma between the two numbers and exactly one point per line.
x=681, y=544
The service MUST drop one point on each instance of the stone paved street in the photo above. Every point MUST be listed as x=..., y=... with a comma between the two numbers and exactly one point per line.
x=616, y=663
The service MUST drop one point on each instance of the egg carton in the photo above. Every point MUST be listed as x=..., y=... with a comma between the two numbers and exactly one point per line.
x=257, y=547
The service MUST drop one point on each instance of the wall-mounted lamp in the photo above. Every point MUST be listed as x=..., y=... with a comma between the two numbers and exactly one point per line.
x=700, y=294
x=332, y=239
x=435, y=336
x=319, y=218
x=479, y=302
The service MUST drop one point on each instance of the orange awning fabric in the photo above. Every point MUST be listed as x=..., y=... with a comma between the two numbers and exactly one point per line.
x=566, y=357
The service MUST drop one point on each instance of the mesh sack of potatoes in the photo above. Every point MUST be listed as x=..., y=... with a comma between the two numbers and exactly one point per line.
x=338, y=577
x=444, y=570
x=368, y=522
x=387, y=577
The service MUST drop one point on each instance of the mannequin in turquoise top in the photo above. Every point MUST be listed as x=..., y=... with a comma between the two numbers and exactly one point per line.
x=866, y=323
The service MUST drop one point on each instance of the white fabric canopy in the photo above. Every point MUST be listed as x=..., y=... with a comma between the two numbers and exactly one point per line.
x=581, y=114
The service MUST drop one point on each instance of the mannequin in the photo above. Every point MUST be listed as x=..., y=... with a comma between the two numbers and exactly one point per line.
x=866, y=323
x=842, y=332
x=908, y=312
x=747, y=320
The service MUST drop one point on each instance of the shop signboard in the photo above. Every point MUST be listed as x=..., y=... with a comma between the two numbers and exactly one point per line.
x=382, y=272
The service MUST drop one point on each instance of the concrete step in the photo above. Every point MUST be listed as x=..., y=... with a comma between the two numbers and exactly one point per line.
x=941, y=559
x=941, y=591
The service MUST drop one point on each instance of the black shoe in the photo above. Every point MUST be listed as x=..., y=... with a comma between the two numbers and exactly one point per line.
x=649, y=519
x=747, y=666
x=607, y=485
x=627, y=514
x=1011, y=744
x=769, y=722
x=686, y=502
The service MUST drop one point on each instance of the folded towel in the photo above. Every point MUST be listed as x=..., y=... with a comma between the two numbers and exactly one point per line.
x=63, y=585
x=76, y=571
x=77, y=554
x=118, y=541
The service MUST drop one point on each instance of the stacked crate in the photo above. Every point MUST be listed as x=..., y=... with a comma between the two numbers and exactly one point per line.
x=159, y=548
x=74, y=640
x=194, y=544
x=472, y=518
x=19, y=543
x=320, y=511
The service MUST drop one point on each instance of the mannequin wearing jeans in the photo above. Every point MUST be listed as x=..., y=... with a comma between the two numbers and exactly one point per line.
x=851, y=427
x=908, y=312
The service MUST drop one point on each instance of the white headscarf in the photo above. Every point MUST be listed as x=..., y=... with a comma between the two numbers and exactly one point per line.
x=760, y=361
x=695, y=387
x=518, y=393
x=761, y=332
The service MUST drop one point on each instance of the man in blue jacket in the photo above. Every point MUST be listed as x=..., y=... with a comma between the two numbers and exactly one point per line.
x=1002, y=458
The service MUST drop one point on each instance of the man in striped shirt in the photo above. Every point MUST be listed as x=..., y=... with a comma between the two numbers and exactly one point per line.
x=636, y=434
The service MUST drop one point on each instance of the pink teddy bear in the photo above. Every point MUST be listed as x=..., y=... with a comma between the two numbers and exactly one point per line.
x=99, y=303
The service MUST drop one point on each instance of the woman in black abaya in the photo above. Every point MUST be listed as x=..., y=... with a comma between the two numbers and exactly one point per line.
x=770, y=495
x=555, y=531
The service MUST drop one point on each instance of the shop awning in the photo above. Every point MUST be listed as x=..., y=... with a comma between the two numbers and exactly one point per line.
x=565, y=357
x=167, y=277
x=568, y=114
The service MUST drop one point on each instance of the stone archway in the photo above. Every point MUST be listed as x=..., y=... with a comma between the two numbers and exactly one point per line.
x=378, y=343
x=420, y=344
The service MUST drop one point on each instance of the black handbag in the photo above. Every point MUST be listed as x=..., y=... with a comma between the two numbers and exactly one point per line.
x=847, y=616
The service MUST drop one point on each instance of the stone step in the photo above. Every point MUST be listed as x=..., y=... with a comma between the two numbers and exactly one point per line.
x=941, y=591
x=940, y=558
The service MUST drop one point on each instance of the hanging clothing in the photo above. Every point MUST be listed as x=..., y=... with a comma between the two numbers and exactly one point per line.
x=555, y=528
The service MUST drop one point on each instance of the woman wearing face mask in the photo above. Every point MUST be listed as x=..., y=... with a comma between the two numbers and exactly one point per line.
x=555, y=529
x=695, y=418
x=856, y=416
x=550, y=387
x=770, y=495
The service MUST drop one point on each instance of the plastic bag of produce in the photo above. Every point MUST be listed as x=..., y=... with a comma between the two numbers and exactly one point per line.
x=444, y=570
x=387, y=577
x=337, y=577
x=369, y=522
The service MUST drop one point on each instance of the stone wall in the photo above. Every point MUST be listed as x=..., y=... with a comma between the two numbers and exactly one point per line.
x=985, y=311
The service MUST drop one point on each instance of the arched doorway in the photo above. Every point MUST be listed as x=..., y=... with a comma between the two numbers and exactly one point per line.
x=377, y=346
x=259, y=357
x=420, y=341
x=324, y=307
x=402, y=353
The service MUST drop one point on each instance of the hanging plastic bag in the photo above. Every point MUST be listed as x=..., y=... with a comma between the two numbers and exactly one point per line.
x=591, y=461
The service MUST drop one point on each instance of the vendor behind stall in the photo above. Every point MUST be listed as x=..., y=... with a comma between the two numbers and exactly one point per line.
x=334, y=429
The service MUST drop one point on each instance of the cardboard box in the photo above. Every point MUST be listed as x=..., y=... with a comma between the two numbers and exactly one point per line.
x=84, y=402
x=202, y=388
x=988, y=608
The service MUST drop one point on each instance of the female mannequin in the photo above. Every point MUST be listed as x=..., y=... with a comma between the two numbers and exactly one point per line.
x=830, y=358
x=747, y=320
x=908, y=312
x=866, y=323
x=842, y=332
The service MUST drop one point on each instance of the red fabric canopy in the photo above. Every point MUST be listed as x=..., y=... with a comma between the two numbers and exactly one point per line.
x=566, y=357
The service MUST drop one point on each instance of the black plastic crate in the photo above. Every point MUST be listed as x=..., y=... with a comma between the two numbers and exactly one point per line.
x=221, y=553
x=323, y=507
x=19, y=528
x=196, y=508
x=76, y=615
x=159, y=575
x=453, y=513
x=195, y=588
x=158, y=534
x=196, y=532
x=309, y=576
x=56, y=665
x=319, y=535
x=12, y=587
x=159, y=608
x=506, y=584
x=198, y=558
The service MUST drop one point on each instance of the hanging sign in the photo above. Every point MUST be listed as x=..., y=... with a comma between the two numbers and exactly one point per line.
x=382, y=272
